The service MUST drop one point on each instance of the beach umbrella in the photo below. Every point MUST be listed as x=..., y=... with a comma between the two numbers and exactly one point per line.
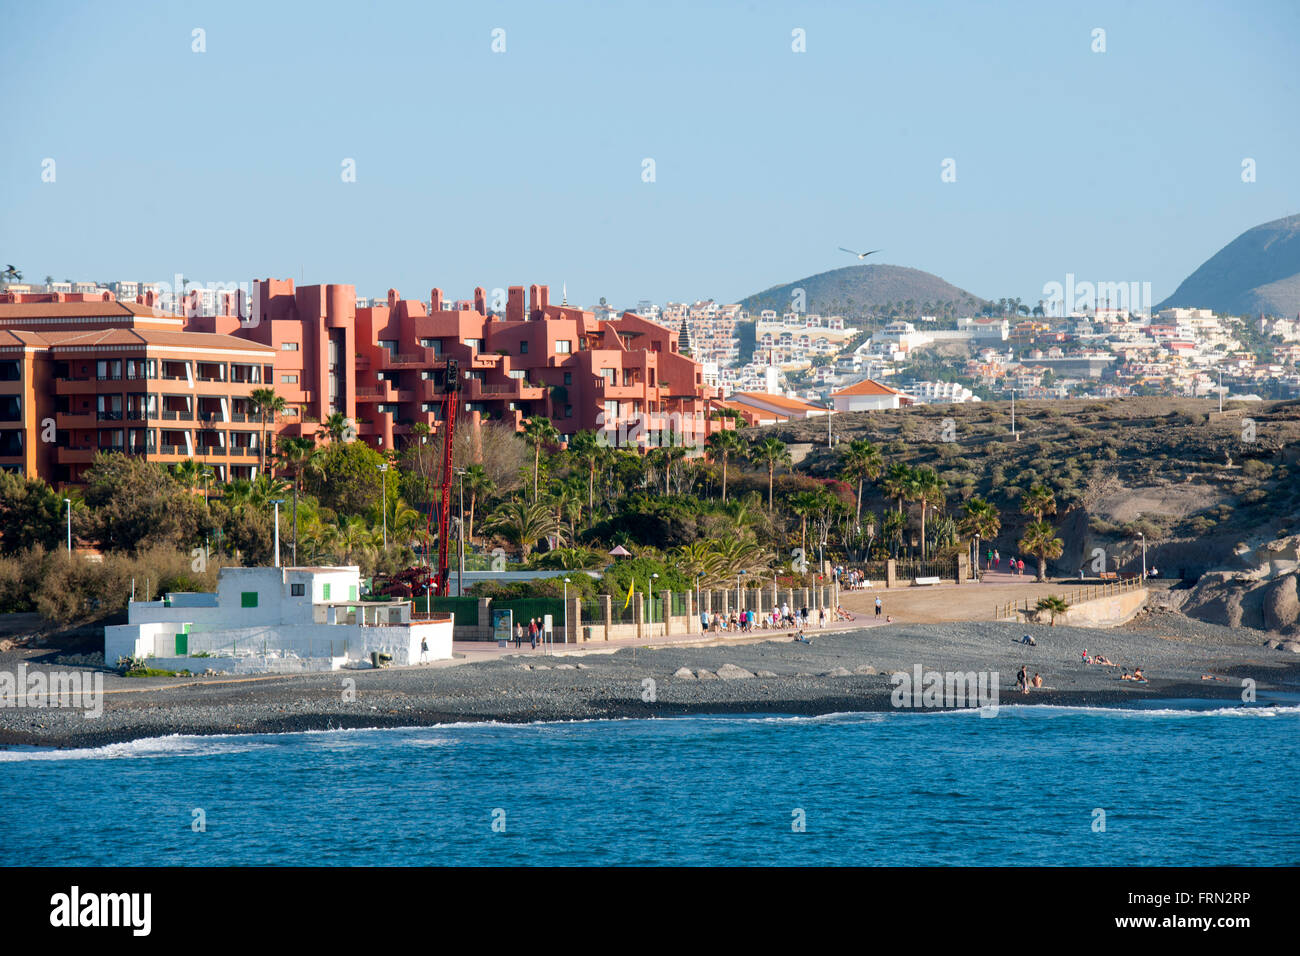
x=621, y=552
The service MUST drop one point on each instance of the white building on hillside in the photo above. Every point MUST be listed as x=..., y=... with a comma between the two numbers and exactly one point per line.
x=276, y=620
x=868, y=396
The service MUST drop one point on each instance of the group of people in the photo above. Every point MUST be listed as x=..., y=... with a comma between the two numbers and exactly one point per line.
x=747, y=621
x=1104, y=661
x=532, y=632
x=1015, y=565
x=851, y=579
x=1024, y=681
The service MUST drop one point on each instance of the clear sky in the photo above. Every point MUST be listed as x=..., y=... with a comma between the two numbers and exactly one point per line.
x=476, y=167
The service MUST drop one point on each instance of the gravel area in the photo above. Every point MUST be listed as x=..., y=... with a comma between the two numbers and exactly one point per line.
x=838, y=672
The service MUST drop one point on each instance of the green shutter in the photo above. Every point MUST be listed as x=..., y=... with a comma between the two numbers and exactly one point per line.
x=182, y=645
x=248, y=599
x=325, y=592
x=352, y=592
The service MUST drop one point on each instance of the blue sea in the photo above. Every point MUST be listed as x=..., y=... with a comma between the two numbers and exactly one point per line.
x=1192, y=784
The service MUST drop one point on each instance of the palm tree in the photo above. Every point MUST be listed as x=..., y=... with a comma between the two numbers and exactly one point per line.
x=770, y=452
x=523, y=524
x=264, y=401
x=1040, y=539
x=1038, y=501
x=539, y=431
x=1054, y=605
x=928, y=490
x=477, y=483
x=584, y=447
x=723, y=446
x=861, y=462
x=298, y=456
x=897, y=483
x=804, y=503
x=980, y=519
x=337, y=425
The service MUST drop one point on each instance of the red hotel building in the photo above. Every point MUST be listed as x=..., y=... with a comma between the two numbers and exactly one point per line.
x=380, y=365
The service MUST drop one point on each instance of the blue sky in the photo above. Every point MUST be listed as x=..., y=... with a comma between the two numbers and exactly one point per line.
x=475, y=167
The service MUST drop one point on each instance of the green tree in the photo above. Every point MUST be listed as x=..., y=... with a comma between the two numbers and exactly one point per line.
x=264, y=402
x=337, y=426
x=134, y=504
x=31, y=514
x=1040, y=539
x=897, y=483
x=861, y=462
x=539, y=431
x=524, y=524
x=769, y=452
x=584, y=448
x=297, y=456
x=1038, y=501
x=478, y=486
x=348, y=479
x=1053, y=604
x=722, y=447
x=929, y=490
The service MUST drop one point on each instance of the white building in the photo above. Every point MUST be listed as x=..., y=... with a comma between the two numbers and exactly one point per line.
x=868, y=396
x=940, y=393
x=277, y=620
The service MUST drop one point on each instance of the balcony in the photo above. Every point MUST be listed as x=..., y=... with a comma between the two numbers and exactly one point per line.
x=170, y=415
x=76, y=386
x=109, y=416
x=173, y=450
x=81, y=455
x=84, y=419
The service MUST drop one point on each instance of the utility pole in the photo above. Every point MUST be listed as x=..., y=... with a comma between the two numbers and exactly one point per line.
x=68, y=502
x=383, y=500
x=277, y=502
x=460, y=570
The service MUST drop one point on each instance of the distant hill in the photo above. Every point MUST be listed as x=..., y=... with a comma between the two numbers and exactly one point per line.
x=1258, y=272
x=855, y=291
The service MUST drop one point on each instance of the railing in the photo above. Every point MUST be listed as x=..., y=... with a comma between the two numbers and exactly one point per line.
x=1077, y=595
x=107, y=416
x=174, y=416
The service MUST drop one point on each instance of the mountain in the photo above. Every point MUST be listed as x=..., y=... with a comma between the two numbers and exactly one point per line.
x=1259, y=271
x=853, y=290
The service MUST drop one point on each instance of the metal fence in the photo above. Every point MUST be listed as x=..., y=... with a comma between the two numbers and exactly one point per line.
x=465, y=608
x=525, y=609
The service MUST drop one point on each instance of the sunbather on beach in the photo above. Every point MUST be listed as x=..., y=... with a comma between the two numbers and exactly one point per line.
x=1104, y=661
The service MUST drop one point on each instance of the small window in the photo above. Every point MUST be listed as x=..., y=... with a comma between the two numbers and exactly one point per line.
x=523, y=348
x=568, y=378
x=248, y=599
x=288, y=346
x=568, y=411
x=563, y=347
x=297, y=590
x=325, y=591
x=289, y=379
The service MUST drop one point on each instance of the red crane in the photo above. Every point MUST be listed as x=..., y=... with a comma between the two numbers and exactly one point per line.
x=450, y=410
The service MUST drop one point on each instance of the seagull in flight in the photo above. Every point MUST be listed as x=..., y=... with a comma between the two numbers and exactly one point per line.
x=861, y=255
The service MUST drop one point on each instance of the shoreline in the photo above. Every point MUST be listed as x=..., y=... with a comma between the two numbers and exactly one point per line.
x=840, y=672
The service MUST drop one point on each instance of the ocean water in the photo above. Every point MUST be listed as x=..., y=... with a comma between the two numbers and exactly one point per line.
x=1194, y=784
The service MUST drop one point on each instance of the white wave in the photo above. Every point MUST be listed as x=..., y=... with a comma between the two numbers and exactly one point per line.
x=176, y=745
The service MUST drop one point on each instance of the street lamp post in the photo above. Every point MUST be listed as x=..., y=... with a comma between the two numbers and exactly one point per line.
x=460, y=567
x=1013, y=415
x=68, y=502
x=699, y=611
x=651, y=601
x=383, y=500
x=277, y=502
x=1220, y=371
x=740, y=593
x=1144, y=555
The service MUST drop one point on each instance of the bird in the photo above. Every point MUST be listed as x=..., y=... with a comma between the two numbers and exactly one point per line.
x=861, y=255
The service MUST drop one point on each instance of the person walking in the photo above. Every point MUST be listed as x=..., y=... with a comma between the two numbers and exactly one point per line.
x=997, y=560
x=880, y=605
x=1020, y=567
x=519, y=634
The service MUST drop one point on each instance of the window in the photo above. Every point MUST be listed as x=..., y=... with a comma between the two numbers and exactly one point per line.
x=288, y=346
x=568, y=378
x=248, y=599
x=297, y=590
x=289, y=379
x=475, y=344
x=563, y=347
x=325, y=591
x=352, y=593
x=516, y=373
x=523, y=348
x=568, y=411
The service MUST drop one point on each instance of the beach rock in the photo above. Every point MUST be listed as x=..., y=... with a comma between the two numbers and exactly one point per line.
x=1292, y=646
x=1281, y=604
x=541, y=667
x=730, y=671
x=865, y=669
x=765, y=674
x=838, y=672
x=524, y=667
x=684, y=673
x=582, y=667
x=565, y=667
x=706, y=675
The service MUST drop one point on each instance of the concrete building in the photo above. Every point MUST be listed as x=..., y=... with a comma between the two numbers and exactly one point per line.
x=276, y=620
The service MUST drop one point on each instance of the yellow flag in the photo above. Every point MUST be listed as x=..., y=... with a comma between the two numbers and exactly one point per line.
x=631, y=584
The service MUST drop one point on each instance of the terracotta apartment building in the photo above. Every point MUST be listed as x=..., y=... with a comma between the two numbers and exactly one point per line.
x=79, y=374
x=128, y=376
